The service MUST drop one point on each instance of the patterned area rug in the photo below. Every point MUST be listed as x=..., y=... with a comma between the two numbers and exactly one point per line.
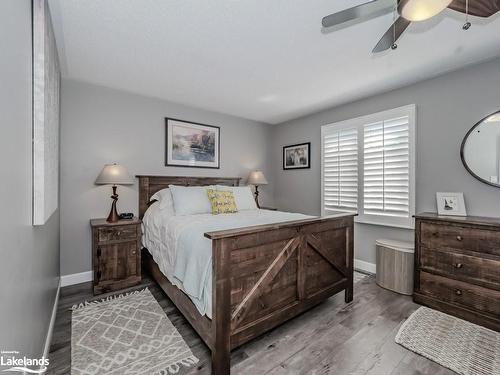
x=463, y=347
x=127, y=334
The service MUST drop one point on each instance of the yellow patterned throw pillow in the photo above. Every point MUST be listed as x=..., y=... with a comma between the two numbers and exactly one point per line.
x=222, y=202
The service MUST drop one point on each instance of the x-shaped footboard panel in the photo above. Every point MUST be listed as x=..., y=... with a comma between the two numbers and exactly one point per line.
x=266, y=278
x=316, y=244
x=299, y=244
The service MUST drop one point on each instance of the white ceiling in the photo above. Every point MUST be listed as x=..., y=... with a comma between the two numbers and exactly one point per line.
x=258, y=59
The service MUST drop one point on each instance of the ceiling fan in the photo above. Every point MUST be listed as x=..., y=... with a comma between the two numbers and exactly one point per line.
x=408, y=11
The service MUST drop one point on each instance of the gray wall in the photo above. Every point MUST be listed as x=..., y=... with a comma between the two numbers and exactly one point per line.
x=101, y=125
x=447, y=106
x=29, y=269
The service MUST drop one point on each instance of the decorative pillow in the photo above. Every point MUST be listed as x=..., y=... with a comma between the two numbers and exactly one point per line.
x=190, y=200
x=243, y=196
x=165, y=202
x=222, y=202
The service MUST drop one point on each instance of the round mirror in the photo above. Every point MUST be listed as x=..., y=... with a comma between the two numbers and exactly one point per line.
x=480, y=150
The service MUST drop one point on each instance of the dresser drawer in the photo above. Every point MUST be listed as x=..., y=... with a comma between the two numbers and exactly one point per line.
x=481, y=271
x=442, y=236
x=460, y=293
x=117, y=233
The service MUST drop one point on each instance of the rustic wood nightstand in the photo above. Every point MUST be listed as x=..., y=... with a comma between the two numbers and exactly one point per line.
x=116, y=255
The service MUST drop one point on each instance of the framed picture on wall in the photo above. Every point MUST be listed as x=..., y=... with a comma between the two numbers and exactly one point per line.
x=191, y=144
x=46, y=119
x=451, y=204
x=297, y=156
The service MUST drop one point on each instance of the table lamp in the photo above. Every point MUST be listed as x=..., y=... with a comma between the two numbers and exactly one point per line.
x=114, y=174
x=257, y=178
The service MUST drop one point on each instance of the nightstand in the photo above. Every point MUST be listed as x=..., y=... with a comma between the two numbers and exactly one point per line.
x=269, y=208
x=116, y=255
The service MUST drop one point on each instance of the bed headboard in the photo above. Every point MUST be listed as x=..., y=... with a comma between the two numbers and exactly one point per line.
x=148, y=185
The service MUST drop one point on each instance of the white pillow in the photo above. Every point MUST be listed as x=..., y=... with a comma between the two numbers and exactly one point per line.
x=243, y=196
x=191, y=200
x=165, y=202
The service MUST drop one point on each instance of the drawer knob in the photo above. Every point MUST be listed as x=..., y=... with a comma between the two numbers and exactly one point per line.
x=133, y=252
x=119, y=233
x=458, y=292
x=458, y=265
x=459, y=238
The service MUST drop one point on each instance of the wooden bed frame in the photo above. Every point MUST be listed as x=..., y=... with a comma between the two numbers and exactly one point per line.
x=262, y=275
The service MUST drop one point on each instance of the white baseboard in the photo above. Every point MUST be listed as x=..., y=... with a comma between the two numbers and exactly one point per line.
x=77, y=278
x=48, y=338
x=365, y=266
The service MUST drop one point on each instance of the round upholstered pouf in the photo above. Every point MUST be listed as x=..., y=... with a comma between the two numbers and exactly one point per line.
x=395, y=265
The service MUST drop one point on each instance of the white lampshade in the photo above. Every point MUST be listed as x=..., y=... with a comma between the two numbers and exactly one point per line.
x=420, y=10
x=257, y=178
x=114, y=174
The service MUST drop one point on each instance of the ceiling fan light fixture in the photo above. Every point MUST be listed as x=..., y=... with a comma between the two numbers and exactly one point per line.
x=421, y=10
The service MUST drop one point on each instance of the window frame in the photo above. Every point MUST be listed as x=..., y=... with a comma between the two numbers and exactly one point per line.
x=359, y=124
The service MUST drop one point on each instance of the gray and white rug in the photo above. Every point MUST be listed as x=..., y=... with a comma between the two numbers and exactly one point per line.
x=127, y=334
x=461, y=346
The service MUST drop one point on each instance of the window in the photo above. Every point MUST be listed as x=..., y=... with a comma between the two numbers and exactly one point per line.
x=368, y=167
x=340, y=170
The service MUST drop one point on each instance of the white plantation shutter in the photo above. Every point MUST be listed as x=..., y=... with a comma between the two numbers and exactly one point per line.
x=387, y=167
x=340, y=170
x=368, y=167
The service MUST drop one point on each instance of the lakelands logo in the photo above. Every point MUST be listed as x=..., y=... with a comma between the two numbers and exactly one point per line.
x=15, y=363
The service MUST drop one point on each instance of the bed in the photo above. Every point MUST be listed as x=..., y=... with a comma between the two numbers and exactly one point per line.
x=261, y=275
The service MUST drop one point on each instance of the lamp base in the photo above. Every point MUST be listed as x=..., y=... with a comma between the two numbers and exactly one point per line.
x=113, y=216
x=257, y=196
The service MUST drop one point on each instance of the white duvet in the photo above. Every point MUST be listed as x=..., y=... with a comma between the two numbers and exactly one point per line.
x=184, y=255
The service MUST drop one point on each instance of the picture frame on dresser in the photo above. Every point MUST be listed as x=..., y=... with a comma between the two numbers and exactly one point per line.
x=451, y=204
x=191, y=144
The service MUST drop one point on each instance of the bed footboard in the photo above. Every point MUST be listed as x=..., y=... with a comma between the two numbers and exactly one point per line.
x=268, y=274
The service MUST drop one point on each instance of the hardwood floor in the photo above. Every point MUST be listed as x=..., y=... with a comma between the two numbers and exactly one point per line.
x=333, y=338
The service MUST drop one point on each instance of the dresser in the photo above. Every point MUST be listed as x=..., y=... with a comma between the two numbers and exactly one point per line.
x=457, y=266
x=116, y=256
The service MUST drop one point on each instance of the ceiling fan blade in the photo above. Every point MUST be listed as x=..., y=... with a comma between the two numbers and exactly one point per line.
x=371, y=9
x=478, y=8
x=392, y=35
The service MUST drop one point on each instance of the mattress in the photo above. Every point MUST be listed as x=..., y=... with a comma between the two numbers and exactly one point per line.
x=177, y=244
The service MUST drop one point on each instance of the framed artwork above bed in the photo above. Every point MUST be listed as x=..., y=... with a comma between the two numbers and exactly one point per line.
x=191, y=144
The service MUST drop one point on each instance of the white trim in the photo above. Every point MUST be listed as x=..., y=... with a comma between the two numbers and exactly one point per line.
x=365, y=266
x=76, y=278
x=48, y=338
x=359, y=220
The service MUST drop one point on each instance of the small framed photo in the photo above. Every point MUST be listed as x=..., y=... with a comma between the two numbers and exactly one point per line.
x=451, y=204
x=297, y=156
x=190, y=144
